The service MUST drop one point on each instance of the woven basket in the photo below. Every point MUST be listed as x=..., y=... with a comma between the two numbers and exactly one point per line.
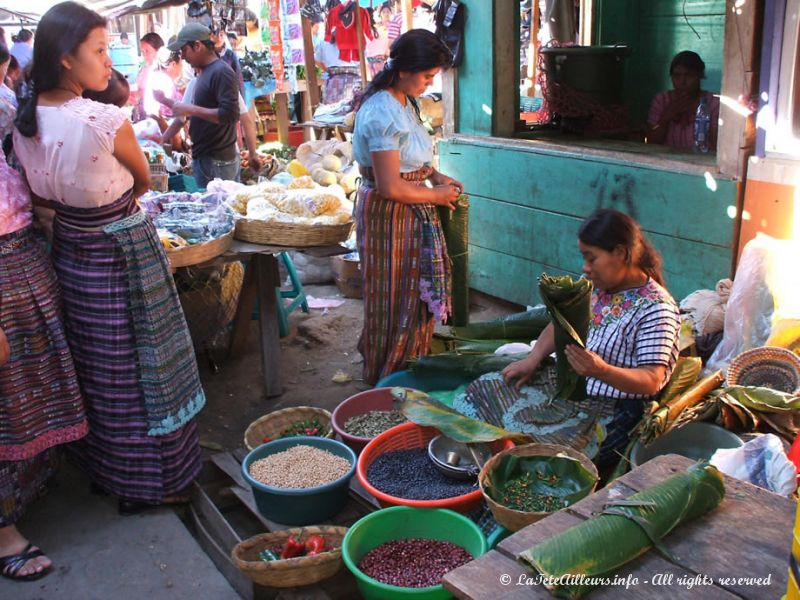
x=514, y=520
x=199, y=253
x=273, y=424
x=289, y=234
x=290, y=572
x=768, y=366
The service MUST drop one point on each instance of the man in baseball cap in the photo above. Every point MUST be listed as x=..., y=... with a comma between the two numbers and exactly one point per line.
x=214, y=109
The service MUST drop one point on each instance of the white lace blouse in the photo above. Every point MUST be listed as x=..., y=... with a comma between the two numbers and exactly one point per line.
x=71, y=159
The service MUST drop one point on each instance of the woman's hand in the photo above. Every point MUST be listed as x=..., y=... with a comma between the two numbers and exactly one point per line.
x=441, y=179
x=5, y=348
x=521, y=371
x=682, y=106
x=585, y=362
x=446, y=195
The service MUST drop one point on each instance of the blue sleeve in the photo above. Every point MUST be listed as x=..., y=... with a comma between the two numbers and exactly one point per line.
x=382, y=128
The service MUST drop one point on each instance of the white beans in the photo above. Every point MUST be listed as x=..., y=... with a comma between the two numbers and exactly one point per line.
x=299, y=467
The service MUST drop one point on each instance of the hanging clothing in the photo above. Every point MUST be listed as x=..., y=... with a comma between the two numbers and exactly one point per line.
x=341, y=24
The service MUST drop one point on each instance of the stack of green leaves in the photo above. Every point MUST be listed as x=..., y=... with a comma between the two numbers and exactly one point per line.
x=568, y=302
x=455, y=226
x=625, y=529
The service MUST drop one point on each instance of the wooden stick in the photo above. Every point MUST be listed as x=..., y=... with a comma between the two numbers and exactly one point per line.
x=408, y=15
x=362, y=59
x=311, y=66
x=693, y=395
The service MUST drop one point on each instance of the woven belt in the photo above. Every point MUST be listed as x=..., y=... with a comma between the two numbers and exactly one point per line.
x=418, y=175
x=12, y=246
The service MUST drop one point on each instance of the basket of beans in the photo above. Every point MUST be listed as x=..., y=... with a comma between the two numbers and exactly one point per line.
x=300, y=480
x=524, y=484
x=289, y=422
x=361, y=417
x=396, y=469
x=291, y=557
x=403, y=552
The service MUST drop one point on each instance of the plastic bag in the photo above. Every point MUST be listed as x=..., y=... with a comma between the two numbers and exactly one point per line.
x=763, y=290
x=762, y=462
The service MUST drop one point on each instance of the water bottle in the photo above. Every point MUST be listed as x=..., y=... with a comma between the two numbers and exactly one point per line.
x=702, y=125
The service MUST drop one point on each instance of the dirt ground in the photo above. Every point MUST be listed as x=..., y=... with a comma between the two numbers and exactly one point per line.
x=318, y=345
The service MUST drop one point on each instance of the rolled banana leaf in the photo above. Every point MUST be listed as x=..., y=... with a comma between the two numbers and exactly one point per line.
x=421, y=409
x=519, y=327
x=467, y=365
x=447, y=343
x=625, y=529
x=455, y=226
x=568, y=302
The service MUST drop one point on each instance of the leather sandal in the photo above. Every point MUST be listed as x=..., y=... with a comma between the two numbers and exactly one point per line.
x=11, y=565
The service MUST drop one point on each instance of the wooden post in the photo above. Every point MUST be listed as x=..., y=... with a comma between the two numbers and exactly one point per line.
x=408, y=14
x=282, y=116
x=311, y=66
x=533, y=58
x=450, y=100
x=362, y=60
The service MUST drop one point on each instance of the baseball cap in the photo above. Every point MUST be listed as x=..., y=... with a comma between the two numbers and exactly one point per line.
x=191, y=32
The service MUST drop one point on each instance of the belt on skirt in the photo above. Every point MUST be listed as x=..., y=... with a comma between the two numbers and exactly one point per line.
x=421, y=174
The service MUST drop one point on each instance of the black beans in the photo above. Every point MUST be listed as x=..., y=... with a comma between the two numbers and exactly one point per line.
x=413, y=562
x=410, y=474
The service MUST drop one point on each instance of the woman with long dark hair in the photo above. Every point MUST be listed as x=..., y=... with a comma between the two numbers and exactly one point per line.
x=41, y=406
x=632, y=345
x=404, y=263
x=127, y=332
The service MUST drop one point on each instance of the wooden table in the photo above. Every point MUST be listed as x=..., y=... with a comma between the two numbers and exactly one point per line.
x=747, y=535
x=260, y=282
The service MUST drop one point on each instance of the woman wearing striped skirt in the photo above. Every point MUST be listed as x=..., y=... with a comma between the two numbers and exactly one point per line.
x=40, y=402
x=125, y=326
x=404, y=263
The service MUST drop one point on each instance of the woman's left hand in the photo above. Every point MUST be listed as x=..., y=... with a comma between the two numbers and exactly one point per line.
x=585, y=362
x=441, y=179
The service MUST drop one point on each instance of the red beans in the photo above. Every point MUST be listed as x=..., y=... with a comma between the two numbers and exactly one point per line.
x=413, y=562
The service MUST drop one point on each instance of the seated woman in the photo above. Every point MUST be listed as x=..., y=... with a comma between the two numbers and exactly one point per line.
x=671, y=118
x=632, y=345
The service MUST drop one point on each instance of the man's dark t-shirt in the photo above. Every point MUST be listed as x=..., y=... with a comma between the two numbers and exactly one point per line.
x=218, y=88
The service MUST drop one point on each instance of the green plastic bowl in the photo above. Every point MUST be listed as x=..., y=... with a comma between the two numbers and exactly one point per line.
x=405, y=522
x=300, y=506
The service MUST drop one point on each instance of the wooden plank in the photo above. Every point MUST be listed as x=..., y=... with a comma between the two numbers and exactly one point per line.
x=282, y=116
x=506, y=69
x=450, y=100
x=577, y=186
x=232, y=467
x=242, y=322
x=312, y=90
x=736, y=132
x=362, y=59
x=217, y=525
x=476, y=72
x=480, y=579
x=268, y=279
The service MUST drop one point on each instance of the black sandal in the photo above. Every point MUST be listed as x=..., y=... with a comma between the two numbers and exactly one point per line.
x=11, y=565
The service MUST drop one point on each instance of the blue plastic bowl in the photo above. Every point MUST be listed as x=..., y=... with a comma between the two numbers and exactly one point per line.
x=424, y=383
x=300, y=506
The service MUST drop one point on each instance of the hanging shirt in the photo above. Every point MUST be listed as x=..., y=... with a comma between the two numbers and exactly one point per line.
x=341, y=23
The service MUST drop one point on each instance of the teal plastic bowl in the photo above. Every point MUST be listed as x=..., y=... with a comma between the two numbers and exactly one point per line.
x=300, y=506
x=405, y=522
x=423, y=383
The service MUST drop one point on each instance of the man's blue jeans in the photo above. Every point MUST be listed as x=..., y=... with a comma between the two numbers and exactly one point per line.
x=206, y=168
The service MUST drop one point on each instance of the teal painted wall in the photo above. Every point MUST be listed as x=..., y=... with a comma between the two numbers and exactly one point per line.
x=526, y=207
x=476, y=71
x=657, y=30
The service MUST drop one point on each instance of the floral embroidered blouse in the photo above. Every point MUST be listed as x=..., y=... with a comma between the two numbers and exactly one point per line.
x=15, y=201
x=632, y=328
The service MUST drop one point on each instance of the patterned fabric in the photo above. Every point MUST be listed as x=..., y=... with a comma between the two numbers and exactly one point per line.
x=22, y=482
x=383, y=124
x=630, y=329
x=40, y=401
x=341, y=85
x=15, y=201
x=406, y=279
x=680, y=131
x=132, y=353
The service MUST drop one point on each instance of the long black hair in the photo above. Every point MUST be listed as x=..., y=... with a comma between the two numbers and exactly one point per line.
x=691, y=61
x=62, y=29
x=415, y=51
x=609, y=229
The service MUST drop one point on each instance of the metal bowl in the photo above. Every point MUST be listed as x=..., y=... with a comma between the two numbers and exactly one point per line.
x=454, y=459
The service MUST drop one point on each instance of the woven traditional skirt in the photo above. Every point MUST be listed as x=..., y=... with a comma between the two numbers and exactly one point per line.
x=23, y=481
x=132, y=352
x=399, y=312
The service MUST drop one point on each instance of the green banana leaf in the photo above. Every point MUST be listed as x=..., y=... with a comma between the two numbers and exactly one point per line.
x=568, y=302
x=447, y=343
x=455, y=227
x=468, y=365
x=684, y=376
x=575, y=482
x=763, y=399
x=625, y=529
x=447, y=397
x=421, y=409
x=518, y=327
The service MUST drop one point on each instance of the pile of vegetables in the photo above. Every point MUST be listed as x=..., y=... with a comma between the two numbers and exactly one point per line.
x=257, y=67
x=295, y=547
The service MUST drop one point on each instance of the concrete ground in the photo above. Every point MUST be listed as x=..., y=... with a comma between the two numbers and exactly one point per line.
x=99, y=555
